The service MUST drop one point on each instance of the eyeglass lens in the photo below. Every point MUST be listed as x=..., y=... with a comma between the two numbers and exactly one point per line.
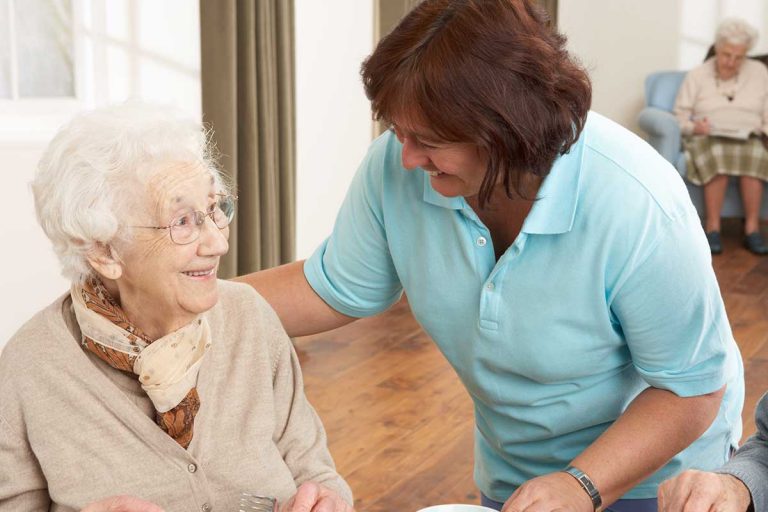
x=186, y=228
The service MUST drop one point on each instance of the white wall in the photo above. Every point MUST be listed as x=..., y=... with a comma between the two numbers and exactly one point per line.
x=131, y=48
x=333, y=126
x=622, y=41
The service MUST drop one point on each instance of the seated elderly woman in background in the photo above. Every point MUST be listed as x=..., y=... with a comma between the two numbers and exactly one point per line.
x=722, y=108
x=150, y=378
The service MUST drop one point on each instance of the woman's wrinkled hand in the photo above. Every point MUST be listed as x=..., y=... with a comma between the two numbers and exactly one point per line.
x=555, y=491
x=701, y=126
x=701, y=491
x=122, y=504
x=313, y=497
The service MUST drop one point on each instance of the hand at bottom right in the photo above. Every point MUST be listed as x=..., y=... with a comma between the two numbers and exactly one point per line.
x=701, y=491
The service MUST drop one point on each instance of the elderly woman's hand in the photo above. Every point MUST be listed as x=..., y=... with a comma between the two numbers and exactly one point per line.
x=555, y=491
x=122, y=504
x=701, y=491
x=701, y=126
x=314, y=497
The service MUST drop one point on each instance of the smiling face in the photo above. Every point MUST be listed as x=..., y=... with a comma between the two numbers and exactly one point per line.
x=455, y=168
x=729, y=58
x=161, y=285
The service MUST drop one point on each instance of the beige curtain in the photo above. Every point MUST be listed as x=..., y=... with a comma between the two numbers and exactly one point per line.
x=248, y=100
x=388, y=12
x=551, y=7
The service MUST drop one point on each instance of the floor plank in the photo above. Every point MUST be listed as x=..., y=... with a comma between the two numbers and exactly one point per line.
x=399, y=421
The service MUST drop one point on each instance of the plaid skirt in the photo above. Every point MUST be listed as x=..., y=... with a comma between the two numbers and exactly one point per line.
x=707, y=157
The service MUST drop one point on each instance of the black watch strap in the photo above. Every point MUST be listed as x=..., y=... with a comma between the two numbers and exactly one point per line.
x=586, y=484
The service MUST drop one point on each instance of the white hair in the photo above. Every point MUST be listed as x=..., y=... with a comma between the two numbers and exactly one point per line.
x=77, y=187
x=736, y=31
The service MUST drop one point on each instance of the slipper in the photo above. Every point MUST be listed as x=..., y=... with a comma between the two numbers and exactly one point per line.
x=715, y=243
x=755, y=244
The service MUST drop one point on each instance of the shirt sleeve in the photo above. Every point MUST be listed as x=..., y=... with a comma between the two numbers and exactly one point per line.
x=299, y=433
x=671, y=313
x=750, y=463
x=352, y=270
x=683, y=108
x=22, y=484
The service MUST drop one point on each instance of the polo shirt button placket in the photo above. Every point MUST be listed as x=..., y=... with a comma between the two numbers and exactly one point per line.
x=481, y=241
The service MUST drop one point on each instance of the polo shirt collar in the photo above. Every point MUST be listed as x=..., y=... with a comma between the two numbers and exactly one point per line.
x=555, y=206
x=554, y=210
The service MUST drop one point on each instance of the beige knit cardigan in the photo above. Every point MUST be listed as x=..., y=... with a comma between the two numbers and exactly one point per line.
x=73, y=430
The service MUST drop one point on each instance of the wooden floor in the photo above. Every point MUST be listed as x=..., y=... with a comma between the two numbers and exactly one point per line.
x=400, y=423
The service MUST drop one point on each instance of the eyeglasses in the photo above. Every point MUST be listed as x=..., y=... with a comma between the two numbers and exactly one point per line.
x=186, y=228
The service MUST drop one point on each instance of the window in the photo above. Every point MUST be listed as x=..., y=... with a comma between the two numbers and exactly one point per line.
x=37, y=54
x=58, y=57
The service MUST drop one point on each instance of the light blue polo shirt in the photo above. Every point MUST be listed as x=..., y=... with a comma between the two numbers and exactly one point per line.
x=607, y=290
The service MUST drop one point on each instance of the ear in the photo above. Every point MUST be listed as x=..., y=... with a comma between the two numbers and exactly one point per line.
x=104, y=261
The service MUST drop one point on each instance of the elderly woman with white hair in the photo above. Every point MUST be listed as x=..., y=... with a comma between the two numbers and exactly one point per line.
x=150, y=383
x=722, y=108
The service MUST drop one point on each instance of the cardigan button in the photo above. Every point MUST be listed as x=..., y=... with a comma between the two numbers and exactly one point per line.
x=206, y=507
x=192, y=468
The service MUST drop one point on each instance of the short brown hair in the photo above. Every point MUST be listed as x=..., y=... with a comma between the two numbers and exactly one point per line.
x=487, y=72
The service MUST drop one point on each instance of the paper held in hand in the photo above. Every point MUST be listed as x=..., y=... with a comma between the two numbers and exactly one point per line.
x=730, y=132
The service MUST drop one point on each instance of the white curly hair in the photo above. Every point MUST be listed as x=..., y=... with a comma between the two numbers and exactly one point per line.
x=80, y=176
x=736, y=31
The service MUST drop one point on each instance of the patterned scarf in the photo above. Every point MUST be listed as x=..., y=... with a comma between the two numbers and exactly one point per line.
x=166, y=368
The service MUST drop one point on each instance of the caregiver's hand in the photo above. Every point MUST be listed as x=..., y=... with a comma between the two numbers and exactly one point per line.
x=701, y=491
x=555, y=491
x=122, y=504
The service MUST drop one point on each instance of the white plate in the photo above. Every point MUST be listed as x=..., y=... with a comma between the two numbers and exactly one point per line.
x=457, y=508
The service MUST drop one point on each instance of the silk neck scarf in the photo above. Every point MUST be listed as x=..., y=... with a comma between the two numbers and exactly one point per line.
x=166, y=368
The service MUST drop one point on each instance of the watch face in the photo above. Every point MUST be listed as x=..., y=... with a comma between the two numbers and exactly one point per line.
x=587, y=485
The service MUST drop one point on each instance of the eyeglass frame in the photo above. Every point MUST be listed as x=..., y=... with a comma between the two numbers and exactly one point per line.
x=170, y=226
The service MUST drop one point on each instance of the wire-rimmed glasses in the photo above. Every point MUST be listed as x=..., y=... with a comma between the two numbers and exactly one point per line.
x=186, y=228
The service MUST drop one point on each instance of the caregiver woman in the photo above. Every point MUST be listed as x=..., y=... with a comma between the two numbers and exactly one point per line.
x=587, y=324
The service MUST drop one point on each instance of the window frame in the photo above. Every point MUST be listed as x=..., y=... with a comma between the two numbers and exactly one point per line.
x=36, y=119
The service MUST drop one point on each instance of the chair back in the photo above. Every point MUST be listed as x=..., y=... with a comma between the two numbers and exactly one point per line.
x=661, y=89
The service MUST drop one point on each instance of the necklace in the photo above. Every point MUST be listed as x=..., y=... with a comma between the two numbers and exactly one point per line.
x=731, y=94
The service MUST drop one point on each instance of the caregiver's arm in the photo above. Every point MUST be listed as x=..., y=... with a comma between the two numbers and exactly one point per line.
x=300, y=309
x=655, y=427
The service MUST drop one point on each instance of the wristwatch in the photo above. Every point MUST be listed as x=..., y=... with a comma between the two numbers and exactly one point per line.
x=586, y=484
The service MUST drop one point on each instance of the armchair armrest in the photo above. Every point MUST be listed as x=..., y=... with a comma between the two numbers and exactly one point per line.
x=663, y=132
